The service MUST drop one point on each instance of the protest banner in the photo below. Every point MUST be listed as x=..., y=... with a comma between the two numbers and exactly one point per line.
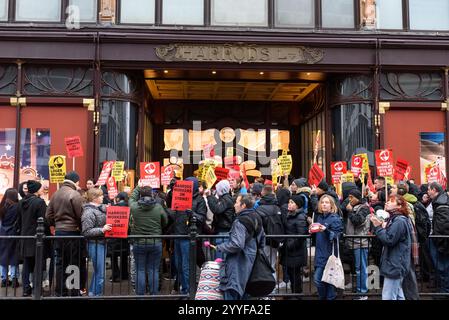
x=400, y=169
x=347, y=177
x=210, y=177
x=356, y=165
x=105, y=172
x=337, y=169
x=182, y=195
x=118, y=217
x=150, y=174
x=73, y=147
x=285, y=163
x=117, y=170
x=384, y=163
x=57, y=168
x=221, y=173
x=315, y=175
x=112, y=188
x=167, y=174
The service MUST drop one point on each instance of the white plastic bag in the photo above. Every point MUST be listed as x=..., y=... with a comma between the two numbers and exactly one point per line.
x=333, y=272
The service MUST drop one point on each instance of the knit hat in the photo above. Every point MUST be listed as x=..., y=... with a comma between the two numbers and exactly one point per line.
x=72, y=176
x=257, y=188
x=298, y=200
x=323, y=185
x=33, y=186
x=223, y=187
x=195, y=183
x=301, y=182
x=355, y=193
x=402, y=188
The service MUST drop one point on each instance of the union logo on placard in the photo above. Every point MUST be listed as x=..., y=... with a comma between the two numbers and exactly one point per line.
x=384, y=155
x=357, y=160
x=150, y=168
x=338, y=166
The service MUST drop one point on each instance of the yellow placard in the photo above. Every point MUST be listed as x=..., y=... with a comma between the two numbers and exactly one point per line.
x=347, y=177
x=57, y=168
x=210, y=177
x=389, y=180
x=117, y=170
x=365, y=166
x=285, y=163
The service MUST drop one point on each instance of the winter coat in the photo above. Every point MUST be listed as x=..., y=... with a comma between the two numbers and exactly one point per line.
x=181, y=219
x=267, y=207
x=65, y=208
x=8, y=255
x=29, y=210
x=93, y=220
x=294, y=250
x=314, y=199
x=223, y=210
x=440, y=222
x=147, y=217
x=325, y=239
x=240, y=255
x=358, y=224
x=396, y=239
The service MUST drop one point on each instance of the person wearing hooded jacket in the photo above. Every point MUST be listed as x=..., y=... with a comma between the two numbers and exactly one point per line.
x=94, y=226
x=29, y=210
x=147, y=217
x=223, y=210
x=181, y=221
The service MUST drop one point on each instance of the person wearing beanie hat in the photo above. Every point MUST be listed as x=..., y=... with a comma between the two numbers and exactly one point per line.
x=294, y=251
x=358, y=224
x=64, y=214
x=298, y=184
x=29, y=210
x=320, y=190
x=322, y=187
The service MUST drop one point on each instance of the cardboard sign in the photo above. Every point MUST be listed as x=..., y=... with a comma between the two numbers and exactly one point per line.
x=150, y=173
x=347, y=177
x=337, y=169
x=356, y=165
x=209, y=151
x=182, y=195
x=118, y=217
x=221, y=173
x=105, y=172
x=73, y=147
x=286, y=164
x=400, y=169
x=210, y=177
x=57, y=168
x=112, y=188
x=384, y=163
x=167, y=173
x=315, y=175
x=117, y=170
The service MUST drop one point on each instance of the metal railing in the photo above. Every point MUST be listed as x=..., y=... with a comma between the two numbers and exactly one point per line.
x=69, y=257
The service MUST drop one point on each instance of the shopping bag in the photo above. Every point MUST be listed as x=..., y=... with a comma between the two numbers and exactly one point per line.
x=333, y=271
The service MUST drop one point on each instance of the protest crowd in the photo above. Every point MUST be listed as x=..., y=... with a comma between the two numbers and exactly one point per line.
x=391, y=223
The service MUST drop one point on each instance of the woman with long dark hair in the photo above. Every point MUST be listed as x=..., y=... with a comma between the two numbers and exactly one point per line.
x=8, y=256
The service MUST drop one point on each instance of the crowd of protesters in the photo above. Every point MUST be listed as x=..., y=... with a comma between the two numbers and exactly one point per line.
x=391, y=225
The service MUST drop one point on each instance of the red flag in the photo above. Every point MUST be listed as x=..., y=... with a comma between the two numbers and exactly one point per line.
x=315, y=175
x=221, y=173
x=400, y=169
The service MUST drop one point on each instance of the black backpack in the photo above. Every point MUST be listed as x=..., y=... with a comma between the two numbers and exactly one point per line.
x=422, y=221
x=273, y=225
x=261, y=281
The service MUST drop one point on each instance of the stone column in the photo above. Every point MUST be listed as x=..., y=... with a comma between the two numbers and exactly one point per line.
x=107, y=11
x=368, y=14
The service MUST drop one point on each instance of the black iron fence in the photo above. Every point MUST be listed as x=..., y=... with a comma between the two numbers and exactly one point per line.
x=168, y=267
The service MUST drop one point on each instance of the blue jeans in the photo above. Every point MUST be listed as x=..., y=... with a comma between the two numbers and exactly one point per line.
x=182, y=258
x=225, y=239
x=231, y=295
x=97, y=253
x=441, y=265
x=148, y=258
x=326, y=291
x=361, y=259
x=392, y=289
x=12, y=270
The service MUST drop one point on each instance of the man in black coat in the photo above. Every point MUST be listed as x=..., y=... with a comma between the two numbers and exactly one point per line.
x=439, y=248
x=30, y=209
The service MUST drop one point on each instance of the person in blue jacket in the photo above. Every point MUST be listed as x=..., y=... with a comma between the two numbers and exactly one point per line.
x=395, y=235
x=330, y=228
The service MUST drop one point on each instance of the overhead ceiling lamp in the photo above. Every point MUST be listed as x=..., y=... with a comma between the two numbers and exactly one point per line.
x=308, y=73
x=165, y=71
x=214, y=72
x=261, y=73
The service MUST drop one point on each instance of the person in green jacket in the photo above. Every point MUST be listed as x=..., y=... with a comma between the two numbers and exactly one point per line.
x=147, y=218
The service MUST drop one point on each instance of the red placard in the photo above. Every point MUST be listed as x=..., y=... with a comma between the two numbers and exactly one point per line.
x=105, y=172
x=400, y=169
x=221, y=173
x=167, y=173
x=73, y=147
x=112, y=188
x=315, y=175
x=182, y=195
x=337, y=169
x=118, y=217
x=150, y=173
x=433, y=174
x=356, y=165
x=385, y=163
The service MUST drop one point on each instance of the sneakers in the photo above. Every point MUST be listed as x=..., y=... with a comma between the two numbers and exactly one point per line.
x=282, y=285
x=348, y=286
x=361, y=298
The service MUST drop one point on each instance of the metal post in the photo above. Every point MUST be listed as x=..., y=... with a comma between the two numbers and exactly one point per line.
x=37, y=276
x=192, y=260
